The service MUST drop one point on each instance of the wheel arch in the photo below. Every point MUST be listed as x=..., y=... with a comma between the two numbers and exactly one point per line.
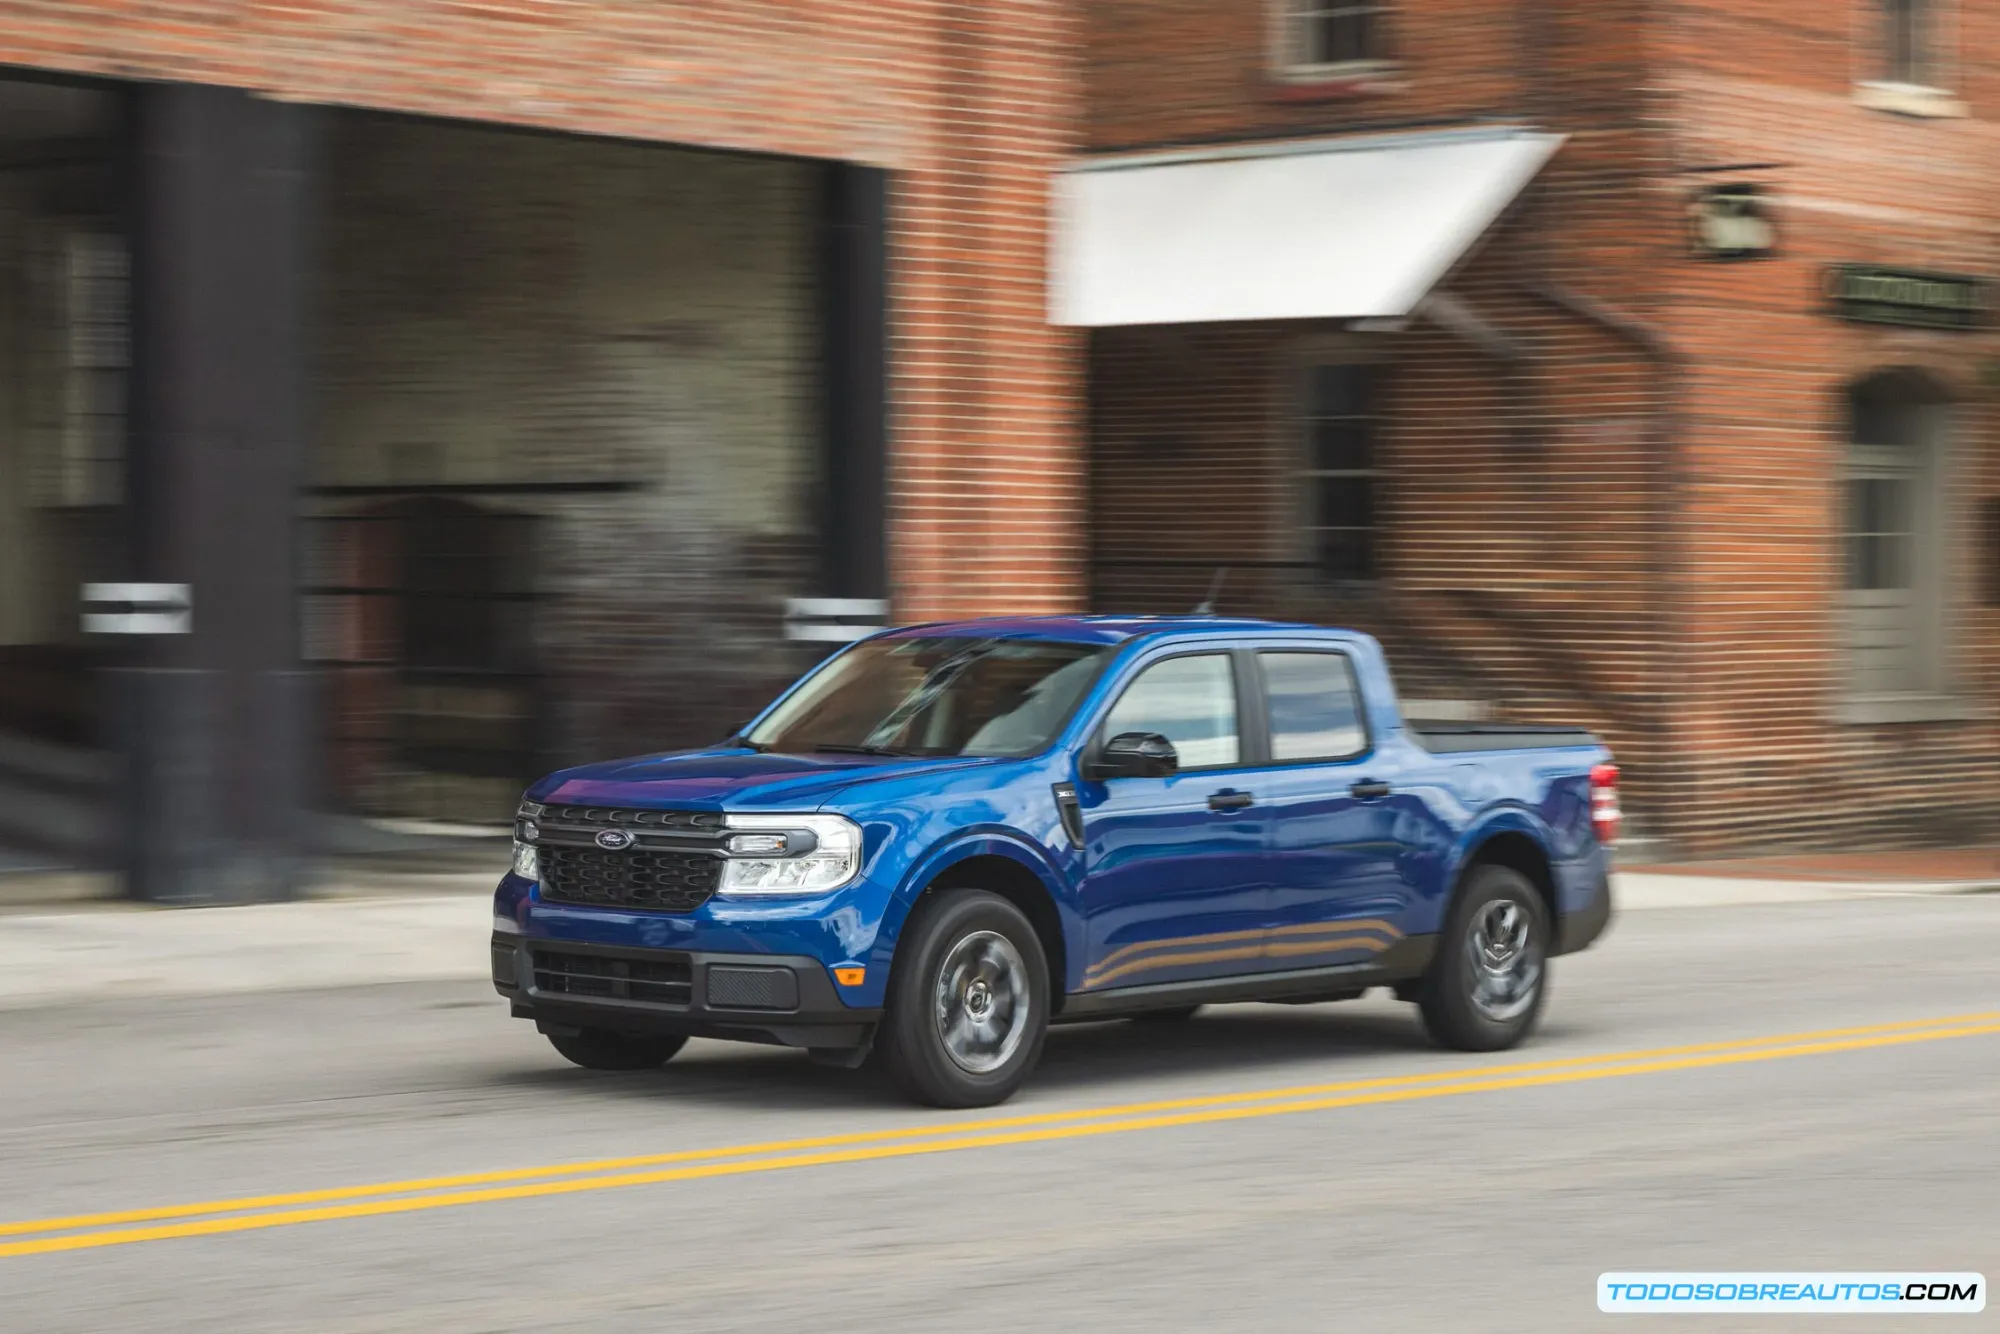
x=1000, y=866
x=1517, y=845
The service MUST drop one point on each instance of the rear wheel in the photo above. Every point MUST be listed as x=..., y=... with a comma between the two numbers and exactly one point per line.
x=1486, y=987
x=600, y=1049
x=968, y=1001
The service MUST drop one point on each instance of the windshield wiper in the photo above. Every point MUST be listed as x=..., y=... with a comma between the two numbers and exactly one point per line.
x=739, y=741
x=835, y=748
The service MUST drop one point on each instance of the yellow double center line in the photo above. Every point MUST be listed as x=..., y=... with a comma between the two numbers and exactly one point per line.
x=85, y=1231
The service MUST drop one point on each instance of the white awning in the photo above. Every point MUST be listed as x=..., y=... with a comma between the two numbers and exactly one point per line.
x=1354, y=228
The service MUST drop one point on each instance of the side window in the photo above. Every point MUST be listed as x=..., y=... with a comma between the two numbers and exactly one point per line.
x=1314, y=705
x=1191, y=702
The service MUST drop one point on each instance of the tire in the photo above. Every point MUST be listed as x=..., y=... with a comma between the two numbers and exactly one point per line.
x=1178, y=1015
x=1467, y=1000
x=601, y=1049
x=968, y=1002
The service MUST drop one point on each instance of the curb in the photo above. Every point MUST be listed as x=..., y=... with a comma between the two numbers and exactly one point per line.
x=90, y=956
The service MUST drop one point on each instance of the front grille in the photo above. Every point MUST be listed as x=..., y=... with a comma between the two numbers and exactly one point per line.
x=662, y=881
x=599, y=817
x=666, y=979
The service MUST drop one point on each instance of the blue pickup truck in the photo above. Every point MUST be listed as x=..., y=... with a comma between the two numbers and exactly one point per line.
x=945, y=838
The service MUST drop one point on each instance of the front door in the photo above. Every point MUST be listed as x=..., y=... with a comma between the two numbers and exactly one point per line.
x=1338, y=893
x=1174, y=886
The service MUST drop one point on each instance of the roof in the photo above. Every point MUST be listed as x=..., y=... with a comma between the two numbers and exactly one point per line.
x=1092, y=629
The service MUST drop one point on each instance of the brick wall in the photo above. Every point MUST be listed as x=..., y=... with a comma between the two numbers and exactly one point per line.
x=967, y=104
x=1773, y=83
x=1637, y=528
x=1522, y=542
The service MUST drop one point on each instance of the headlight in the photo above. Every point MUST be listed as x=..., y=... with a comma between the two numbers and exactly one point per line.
x=526, y=864
x=790, y=854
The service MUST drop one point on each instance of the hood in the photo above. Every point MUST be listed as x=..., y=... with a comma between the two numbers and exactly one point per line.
x=731, y=779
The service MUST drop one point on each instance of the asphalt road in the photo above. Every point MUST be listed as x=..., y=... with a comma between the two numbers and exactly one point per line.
x=1395, y=1192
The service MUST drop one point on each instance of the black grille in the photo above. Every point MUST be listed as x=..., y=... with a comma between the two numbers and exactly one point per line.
x=753, y=988
x=599, y=817
x=634, y=878
x=666, y=979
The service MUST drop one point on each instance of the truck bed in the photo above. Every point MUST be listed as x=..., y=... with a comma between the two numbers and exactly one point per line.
x=1443, y=738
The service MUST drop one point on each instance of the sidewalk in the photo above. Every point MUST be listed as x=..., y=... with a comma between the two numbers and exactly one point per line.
x=1808, y=877
x=110, y=951
x=110, y=955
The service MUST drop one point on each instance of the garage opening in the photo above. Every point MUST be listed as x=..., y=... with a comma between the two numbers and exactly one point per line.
x=589, y=413
x=64, y=357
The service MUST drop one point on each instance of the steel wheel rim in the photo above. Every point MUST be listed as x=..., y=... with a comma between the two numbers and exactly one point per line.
x=983, y=1004
x=1503, y=960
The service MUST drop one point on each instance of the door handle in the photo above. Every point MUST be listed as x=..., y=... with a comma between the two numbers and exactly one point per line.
x=1230, y=801
x=1368, y=791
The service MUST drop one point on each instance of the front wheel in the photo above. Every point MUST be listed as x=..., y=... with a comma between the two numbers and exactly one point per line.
x=968, y=1001
x=1486, y=987
x=600, y=1049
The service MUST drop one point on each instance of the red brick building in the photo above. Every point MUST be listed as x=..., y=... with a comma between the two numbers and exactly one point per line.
x=515, y=363
x=493, y=375
x=1676, y=446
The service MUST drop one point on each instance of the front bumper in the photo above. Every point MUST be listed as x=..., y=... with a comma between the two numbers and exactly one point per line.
x=772, y=998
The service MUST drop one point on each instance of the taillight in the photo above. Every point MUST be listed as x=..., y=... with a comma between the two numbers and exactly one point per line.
x=1604, y=812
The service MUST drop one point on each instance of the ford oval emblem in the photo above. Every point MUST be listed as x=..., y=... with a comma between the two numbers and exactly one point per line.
x=613, y=839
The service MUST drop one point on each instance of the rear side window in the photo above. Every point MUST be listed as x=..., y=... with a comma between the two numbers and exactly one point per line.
x=1314, y=706
x=1191, y=702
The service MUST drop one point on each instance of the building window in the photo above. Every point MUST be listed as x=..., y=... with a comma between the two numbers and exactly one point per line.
x=1892, y=549
x=1339, y=475
x=1906, y=57
x=1989, y=551
x=1331, y=37
x=1906, y=43
x=1878, y=531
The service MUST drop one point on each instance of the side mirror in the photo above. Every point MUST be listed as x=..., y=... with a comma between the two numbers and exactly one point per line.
x=1135, y=755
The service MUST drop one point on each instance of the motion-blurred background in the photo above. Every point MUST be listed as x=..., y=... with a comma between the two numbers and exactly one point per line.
x=399, y=400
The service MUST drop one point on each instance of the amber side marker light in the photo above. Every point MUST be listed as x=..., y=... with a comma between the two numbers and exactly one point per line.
x=849, y=977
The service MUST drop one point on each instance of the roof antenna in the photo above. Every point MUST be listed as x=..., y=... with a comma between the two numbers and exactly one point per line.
x=1207, y=607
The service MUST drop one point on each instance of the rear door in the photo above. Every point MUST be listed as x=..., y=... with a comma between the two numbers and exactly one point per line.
x=1338, y=894
x=1174, y=883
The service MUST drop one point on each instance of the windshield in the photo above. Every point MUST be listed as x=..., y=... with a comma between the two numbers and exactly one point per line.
x=935, y=695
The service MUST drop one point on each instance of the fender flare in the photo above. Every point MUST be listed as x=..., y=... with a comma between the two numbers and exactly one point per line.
x=963, y=845
x=1508, y=819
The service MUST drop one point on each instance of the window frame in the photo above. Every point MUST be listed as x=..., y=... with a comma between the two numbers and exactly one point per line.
x=1248, y=716
x=1269, y=736
x=1289, y=19
x=1059, y=736
x=1924, y=461
x=1303, y=496
x=1916, y=66
x=1928, y=89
